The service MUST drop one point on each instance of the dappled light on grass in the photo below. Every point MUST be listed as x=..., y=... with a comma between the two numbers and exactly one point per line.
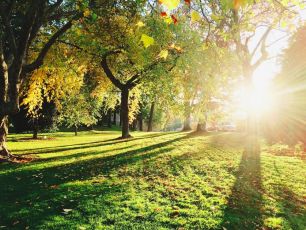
x=158, y=180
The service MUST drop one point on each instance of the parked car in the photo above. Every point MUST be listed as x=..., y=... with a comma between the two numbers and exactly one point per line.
x=228, y=127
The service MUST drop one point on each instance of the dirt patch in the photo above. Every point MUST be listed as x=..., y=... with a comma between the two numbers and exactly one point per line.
x=17, y=159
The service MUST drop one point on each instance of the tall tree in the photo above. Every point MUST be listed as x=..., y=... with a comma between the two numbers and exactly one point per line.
x=136, y=44
x=21, y=24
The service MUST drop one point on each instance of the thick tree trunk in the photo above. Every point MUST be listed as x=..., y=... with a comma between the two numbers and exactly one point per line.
x=187, y=120
x=35, y=128
x=3, y=134
x=125, y=113
x=3, y=100
x=75, y=130
x=150, y=122
x=201, y=126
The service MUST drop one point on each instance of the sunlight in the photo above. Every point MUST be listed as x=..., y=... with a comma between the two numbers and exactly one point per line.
x=260, y=101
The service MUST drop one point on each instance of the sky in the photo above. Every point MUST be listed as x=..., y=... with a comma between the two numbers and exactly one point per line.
x=270, y=68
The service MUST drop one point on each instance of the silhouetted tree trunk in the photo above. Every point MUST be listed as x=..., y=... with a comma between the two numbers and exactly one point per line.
x=125, y=112
x=35, y=128
x=120, y=117
x=150, y=122
x=109, y=118
x=140, y=121
x=134, y=125
x=114, y=117
x=75, y=130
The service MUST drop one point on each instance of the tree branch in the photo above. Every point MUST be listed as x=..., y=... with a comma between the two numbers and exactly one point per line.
x=9, y=30
x=261, y=41
x=39, y=60
x=108, y=71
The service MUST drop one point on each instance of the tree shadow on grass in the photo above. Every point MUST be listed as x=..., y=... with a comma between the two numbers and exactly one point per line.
x=31, y=196
x=244, y=209
x=293, y=207
x=63, y=148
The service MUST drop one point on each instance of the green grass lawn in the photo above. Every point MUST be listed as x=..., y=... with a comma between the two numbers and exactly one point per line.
x=153, y=181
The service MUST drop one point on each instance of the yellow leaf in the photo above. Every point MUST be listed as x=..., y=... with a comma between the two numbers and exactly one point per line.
x=170, y=4
x=195, y=16
x=163, y=54
x=147, y=40
x=140, y=24
x=86, y=13
x=168, y=20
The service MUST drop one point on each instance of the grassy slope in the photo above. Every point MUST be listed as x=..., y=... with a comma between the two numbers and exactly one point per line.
x=154, y=181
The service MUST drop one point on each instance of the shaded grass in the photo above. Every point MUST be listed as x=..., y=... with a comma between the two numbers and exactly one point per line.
x=154, y=181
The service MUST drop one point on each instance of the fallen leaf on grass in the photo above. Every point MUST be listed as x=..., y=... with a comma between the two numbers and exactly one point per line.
x=67, y=210
x=54, y=186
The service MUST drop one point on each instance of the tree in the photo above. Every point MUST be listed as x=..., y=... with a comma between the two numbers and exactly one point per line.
x=127, y=54
x=21, y=24
x=79, y=109
x=287, y=121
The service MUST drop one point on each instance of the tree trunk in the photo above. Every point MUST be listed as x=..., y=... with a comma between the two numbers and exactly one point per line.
x=150, y=123
x=75, y=130
x=3, y=99
x=249, y=89
x=109, y=118
x=125, y=113
x=114, y=118
x=120, y=117
x=3, y=134
x=187, y=121
x=35, y=128
x=134, y=125
x=140, y=121
x=201, y=126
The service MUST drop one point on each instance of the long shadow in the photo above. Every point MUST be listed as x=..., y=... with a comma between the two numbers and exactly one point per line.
x=244, y=208
x=31, y=190
x=82, y=145
x=293, y=207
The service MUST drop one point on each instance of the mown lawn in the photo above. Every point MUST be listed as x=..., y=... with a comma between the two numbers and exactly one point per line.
x=154, y=181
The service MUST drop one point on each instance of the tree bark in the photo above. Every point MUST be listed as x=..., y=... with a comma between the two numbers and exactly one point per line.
x=140, y=121
x=109, y=118
x=125, y=113
x=201, y=126
x=187, y=120
x=114, y=117
x=75, y=130
x=150, y=122
x=35, y=128
x=134, y=125
x=3, y=134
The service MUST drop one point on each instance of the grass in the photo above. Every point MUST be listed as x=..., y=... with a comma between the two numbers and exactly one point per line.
x=154, y=181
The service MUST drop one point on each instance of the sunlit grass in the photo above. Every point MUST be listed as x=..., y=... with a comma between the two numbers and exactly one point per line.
x=154, y=181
